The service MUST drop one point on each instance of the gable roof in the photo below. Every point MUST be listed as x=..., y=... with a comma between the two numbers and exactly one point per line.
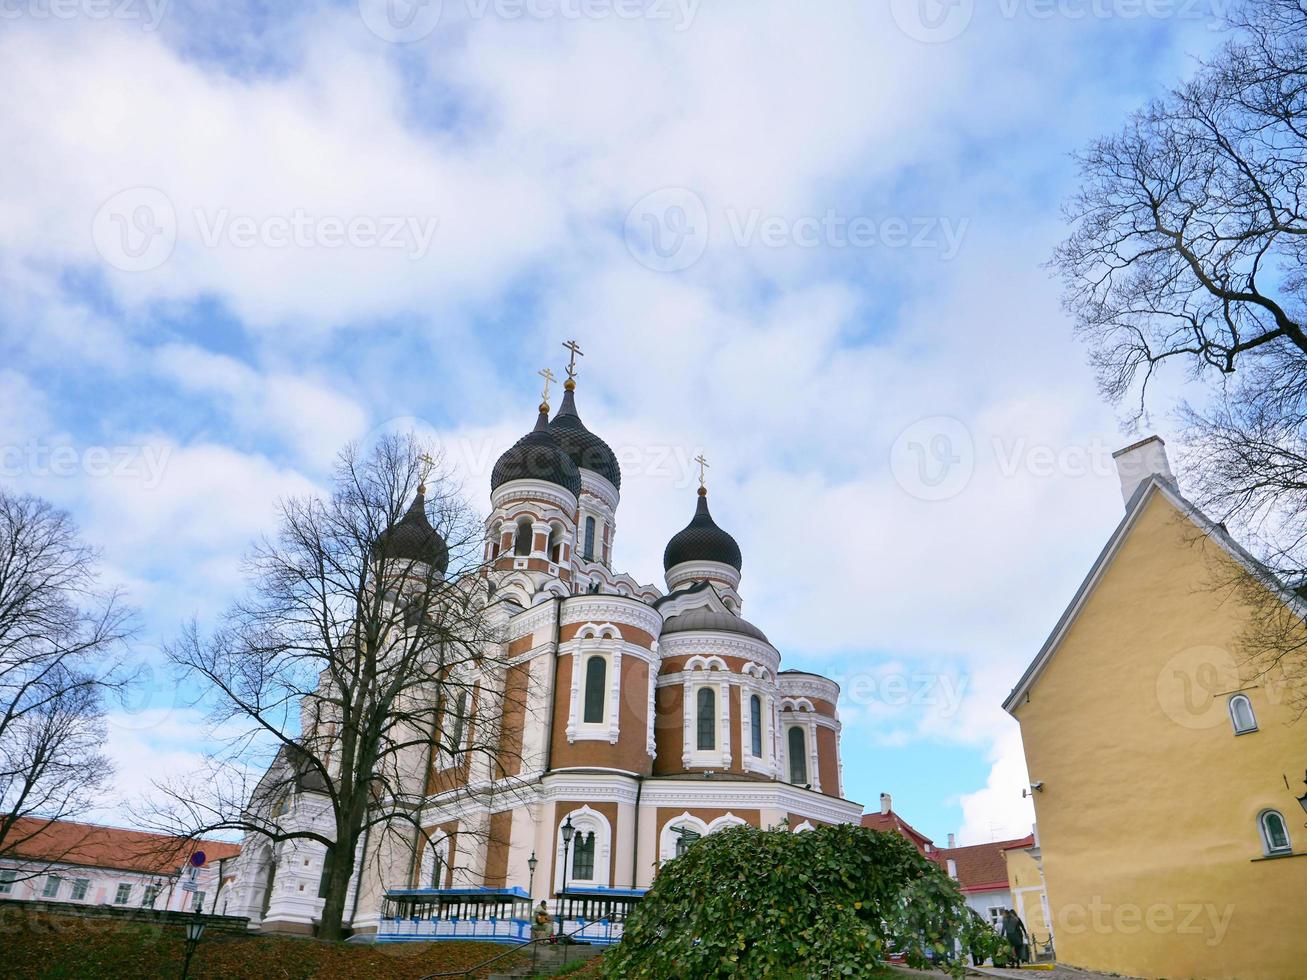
x=981, y=867
x=893, y=823
x=95, y=846
x=1138, y=502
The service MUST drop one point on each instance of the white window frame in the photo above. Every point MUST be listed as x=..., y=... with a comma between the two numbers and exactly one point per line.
x=120, y=897
x=803, y=730
x=1268, y=847
x=596, y=640
x=51, y=887
x=585, y=820
x=711, y=672
x=80, y=887
x=1235, y=699
x=7, y=878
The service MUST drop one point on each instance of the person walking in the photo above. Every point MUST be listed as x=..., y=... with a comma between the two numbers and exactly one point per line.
x=1014, y=931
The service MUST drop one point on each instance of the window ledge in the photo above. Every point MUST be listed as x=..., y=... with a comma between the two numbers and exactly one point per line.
x=1277, y=857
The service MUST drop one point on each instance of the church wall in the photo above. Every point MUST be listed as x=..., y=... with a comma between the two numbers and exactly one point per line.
x=511, y=737
x=737, y=753
x=497, y=846
x=828, y=761
x=630, y=753
x=668, y=729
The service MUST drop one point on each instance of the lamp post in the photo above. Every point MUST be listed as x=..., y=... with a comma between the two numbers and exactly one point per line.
x=568, y=831
x=1302, y=800
x=531, y=863
x=194, y=932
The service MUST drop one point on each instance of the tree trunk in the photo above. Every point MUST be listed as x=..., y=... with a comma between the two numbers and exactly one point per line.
x=333, y=907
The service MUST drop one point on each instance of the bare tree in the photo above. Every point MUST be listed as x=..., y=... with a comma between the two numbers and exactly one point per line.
x=358, y=657
x=1188, y=248
x=60, y=643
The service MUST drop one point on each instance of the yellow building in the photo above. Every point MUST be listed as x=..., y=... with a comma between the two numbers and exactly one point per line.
x=1025, y=882
x=1167, y=777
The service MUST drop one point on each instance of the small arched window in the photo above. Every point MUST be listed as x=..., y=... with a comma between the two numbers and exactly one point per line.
x=555, y=543
x=755, y=725
x=588, y=548
x=1275, y=833
x=1241, y=714
x=458, y=724
x=798, y=743
x=596, y=689
x=523, y=543
x=583, y=856
x=707, y=721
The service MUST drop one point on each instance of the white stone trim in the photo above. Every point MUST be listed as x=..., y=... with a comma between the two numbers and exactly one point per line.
x=533, y=492
x=585, y=820
x=698, y=571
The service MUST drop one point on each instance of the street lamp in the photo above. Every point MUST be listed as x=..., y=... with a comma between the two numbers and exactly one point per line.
x=1302, y=800
x=531, y=863
x=194, y=932
x=568, y=831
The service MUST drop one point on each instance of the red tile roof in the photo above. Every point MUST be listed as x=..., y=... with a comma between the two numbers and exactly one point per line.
x=893, y=822
x=981, y=867
x=94, y=846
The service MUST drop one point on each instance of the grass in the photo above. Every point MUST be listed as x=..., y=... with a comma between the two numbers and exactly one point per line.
x=39, y=946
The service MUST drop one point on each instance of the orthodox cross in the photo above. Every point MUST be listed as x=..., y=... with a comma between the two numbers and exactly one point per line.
x=428, y=464
x=703, y=465
x=575, y=348
x=548, y=375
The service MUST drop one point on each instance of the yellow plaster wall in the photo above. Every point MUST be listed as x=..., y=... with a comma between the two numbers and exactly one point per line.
x=1148, y=817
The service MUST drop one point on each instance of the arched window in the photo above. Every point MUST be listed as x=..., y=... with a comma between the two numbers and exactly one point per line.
x=458, y=724
x=583, y=857
x=755, y=725
x=555, y=543
x=588, y=548
x=596, y=690
x=798, y=756
x=523, y=544
x=1241, y=714
x=1275, y=833
x=707, y=720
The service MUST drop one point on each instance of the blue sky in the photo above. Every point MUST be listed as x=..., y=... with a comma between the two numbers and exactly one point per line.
x=806, y=239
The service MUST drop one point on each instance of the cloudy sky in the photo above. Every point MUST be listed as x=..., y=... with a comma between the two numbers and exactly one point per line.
x=804, y=238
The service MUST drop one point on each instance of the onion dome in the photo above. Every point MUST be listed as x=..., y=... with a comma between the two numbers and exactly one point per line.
x=537, y=456
x=586, y=449
x=706, y=618
x=412, y=538
x=702, y=540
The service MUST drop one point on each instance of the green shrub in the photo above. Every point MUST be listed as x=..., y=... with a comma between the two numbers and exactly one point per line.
x=832, y=902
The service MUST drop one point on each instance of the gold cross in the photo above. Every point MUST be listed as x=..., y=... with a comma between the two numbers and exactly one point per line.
x=548, y=375
x=703, y=465
x=575, y=348
x=428, y=464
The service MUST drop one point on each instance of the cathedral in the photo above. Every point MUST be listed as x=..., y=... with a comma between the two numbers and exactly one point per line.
x=639, y=719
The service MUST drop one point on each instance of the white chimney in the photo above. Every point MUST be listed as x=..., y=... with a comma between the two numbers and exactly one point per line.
x=886, y=803
x=951, y=840
x=1136, y=463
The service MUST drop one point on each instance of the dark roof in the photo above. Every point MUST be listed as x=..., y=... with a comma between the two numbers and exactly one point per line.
x=537, y=456
x=705, y=618
x=586, y=449
x=412, y=538
x=702, y=540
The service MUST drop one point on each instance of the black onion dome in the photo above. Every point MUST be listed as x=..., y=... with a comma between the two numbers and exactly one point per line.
x=537, y=456
x=702, y=540
x=412, y=538
x=586, y=449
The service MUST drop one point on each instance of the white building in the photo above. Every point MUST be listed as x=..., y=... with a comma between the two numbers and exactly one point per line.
x=88, y=864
